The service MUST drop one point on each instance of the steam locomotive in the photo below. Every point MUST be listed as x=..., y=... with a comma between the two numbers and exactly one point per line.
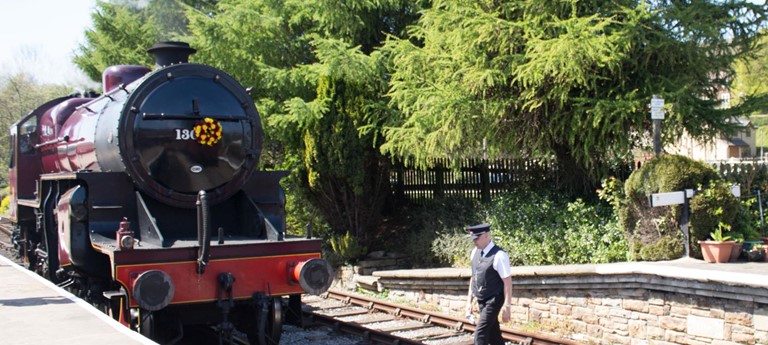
x=147, y=201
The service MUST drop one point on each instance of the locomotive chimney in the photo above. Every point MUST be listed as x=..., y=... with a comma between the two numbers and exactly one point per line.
x=169, y=53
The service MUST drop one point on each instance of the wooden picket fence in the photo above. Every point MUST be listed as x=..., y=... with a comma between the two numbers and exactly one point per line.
x=483, y=179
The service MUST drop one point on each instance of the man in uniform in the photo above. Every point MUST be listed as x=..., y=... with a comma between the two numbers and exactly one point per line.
x=491, y=284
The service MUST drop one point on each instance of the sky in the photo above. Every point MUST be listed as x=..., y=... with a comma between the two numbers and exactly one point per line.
x=40, y=37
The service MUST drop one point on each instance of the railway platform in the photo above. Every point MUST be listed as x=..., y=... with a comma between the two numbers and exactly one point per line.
x=35, y=311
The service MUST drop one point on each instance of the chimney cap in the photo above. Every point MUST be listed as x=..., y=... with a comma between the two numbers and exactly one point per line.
x=170, y=52
x=182, y=46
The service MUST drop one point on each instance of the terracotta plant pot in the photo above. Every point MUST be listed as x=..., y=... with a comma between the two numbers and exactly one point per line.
x=714, y=251
x=736, y=251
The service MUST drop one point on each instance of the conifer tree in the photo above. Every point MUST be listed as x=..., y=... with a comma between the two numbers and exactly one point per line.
x=120, y=36
x=571, y=79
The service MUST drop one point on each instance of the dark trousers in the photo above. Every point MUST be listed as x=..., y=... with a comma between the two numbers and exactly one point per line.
x=488, y=330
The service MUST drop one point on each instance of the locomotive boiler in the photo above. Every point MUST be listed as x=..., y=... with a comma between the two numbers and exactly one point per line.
x=147, y=201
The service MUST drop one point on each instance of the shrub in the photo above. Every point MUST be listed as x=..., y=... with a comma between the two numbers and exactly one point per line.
x=453, y=249
x=710, y=206
x=435, y=232
x=666, y=248
x=748, y=223
x=348, y=248
x=541, y=228
x=648, y=225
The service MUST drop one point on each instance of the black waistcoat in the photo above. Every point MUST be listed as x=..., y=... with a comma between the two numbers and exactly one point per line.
x=486, y=281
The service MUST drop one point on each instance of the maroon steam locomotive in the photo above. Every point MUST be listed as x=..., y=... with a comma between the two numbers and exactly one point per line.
x=147, y=202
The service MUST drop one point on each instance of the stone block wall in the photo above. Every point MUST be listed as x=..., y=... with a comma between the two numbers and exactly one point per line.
x=639, y=316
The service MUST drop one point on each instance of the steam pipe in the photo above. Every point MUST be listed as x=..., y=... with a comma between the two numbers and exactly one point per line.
x=203, y=231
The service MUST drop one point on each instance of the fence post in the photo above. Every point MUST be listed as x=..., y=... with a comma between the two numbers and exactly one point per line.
x=439, y=180
x=485, y=185
x=399, y=182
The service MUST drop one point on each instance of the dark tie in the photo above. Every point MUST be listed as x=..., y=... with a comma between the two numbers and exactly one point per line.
x=482, y=253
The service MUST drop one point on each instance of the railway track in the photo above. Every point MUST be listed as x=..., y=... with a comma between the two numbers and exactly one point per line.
x=383, y=322
x=5, y=234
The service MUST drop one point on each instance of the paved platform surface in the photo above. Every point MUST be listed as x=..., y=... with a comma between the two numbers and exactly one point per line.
x=34, y=311
x=741, y=273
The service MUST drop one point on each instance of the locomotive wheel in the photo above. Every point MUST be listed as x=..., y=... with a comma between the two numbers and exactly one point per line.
x=273, y=325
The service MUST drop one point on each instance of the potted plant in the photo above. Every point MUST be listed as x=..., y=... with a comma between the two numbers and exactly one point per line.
x=719, y=248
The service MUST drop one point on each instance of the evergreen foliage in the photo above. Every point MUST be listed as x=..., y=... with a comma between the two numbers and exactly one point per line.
x=123, y=30
x=651, y=229
x=348, y=248
x=540, y=227
x=569, y=78
x=319, y=86
x=120, y=36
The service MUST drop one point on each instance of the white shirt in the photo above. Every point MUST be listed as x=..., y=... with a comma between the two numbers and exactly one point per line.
x=500, y=260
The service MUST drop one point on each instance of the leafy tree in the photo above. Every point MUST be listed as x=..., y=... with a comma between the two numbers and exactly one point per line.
x=20, y=94
x=565, y=78
x=751, y=74
x=319, y=85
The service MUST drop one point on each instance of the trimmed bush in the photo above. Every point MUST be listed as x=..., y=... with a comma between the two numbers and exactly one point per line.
x=651, y=229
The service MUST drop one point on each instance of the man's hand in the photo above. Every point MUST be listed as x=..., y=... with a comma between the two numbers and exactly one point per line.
x=505, y=314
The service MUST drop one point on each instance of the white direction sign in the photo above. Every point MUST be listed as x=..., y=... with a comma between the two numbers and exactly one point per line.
x=657, y=108
x=665, y=199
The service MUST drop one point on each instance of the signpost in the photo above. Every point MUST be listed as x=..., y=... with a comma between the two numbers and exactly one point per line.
x=677, y=198
x=657, y=115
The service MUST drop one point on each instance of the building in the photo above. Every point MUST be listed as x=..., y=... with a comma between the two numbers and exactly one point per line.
x=739, y=146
